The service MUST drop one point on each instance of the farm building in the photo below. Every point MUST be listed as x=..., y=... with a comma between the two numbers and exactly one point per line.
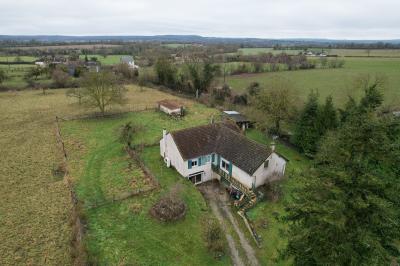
x=219, y=151
x=171, y=107
x=241, y=121
x=129, y=61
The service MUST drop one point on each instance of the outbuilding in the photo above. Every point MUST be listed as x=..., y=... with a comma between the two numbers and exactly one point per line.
x=171, y=107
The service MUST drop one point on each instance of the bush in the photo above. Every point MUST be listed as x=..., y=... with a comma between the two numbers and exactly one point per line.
x=169, y=208
x=273, y=190
x=60, y=78
x=254, y=88
x=214, y=238
x=240, y=99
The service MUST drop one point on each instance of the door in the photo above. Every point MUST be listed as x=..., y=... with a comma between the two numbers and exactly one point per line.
x=196, y=178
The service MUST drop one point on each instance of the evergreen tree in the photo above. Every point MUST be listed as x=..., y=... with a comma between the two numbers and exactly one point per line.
x=307, y=131
x=328, y=116
x=348, y=211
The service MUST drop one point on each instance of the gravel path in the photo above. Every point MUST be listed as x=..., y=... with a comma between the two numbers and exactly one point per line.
x=218, y=200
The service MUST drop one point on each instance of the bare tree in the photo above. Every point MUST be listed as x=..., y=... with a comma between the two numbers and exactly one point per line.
x=102, y=90
x=76, y=93
x=276, y=101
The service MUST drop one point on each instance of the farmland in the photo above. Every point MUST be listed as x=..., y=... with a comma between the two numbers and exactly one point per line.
x=102, y=169
x=333, y=52
x=105, y=60
x=335, y=82
x=35, y=207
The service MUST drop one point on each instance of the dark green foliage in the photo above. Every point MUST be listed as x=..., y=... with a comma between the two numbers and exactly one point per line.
x=219, y=94
x=349, y=109
x=126, y=134
x=308, y=129
x=3, y=76
x=328, y=116
x=254, y=88
x=214, y=238
x=166, y=72
x=240, y=99
x=348, y=212
x=202, y=75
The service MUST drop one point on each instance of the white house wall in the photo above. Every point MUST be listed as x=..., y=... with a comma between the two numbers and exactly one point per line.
x=274, y=171
x=171, y=151
x=242, y=176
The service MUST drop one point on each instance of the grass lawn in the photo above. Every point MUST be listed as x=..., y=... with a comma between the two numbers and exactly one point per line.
x=335, y=82
x=108, y=60
x=12, y=58
x=35, y=205
x=123, y=232
x=268, y=213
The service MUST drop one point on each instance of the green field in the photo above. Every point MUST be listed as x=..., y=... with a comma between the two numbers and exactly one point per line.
x=336, y=82
x=12, y=58
x=107, y=60
x=338, y=52
x=118, y=234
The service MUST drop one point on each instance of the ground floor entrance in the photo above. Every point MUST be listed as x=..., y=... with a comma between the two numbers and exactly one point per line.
x=196, y=178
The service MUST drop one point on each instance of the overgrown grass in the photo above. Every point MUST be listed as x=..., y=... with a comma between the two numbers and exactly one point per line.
x=108, y=60
x=124, y=232
x=35, y=205
x=336, y=82
x=265, y=215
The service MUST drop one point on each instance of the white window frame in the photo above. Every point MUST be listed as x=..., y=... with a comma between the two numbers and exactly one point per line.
x=226, y=164
x=194, y=163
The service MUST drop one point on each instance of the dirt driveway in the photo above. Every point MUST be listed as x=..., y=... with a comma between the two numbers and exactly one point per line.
x=219, y=201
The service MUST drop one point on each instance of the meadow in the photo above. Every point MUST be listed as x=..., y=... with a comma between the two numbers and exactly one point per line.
x=336, y=82
x=106, y=61
x=338, y=52
x=123, y=232
x=35, y=210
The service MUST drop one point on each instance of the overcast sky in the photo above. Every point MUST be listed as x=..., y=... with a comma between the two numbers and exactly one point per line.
x=338, y=19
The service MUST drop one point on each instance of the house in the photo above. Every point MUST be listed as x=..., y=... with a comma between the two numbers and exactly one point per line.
x=219, y=151
x=241, y=121
x=171, y=107
x=129, y=61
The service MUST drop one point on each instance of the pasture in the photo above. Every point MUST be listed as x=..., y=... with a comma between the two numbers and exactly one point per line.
x=336, y=82
x=391, y=53
x=35, y=223
x=104, y=60
x=123, y=232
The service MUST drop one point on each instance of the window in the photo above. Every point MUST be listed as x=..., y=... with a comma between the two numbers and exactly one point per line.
x=225, y=165
x=194, y=163
x=266, y=163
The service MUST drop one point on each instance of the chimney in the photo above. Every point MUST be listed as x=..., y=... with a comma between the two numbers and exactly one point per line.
x=164, y=133
x=273, y=146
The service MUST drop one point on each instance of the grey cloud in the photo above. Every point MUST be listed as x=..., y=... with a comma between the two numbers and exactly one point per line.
x=350, y=19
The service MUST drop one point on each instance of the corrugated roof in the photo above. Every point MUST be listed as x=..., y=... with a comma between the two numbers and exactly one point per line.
x=224, y=140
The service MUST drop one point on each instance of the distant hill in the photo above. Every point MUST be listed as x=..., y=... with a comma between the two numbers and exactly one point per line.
x=186, y=39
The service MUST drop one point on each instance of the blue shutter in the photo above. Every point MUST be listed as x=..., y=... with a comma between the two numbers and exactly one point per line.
x=189, y=164
x=218, y=160
x=213, y=158
x=199, y=162
x=230, y=168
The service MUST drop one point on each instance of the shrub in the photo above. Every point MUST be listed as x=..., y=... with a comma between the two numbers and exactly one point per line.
x=170, y=207
x=240, y=99
x=214, y=238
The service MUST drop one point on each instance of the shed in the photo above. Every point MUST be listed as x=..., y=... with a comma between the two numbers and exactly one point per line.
x=171, y=107
x=241, y=120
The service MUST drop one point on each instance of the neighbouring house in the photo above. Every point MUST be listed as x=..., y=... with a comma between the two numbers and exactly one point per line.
x=129, y=61
x=40, y=63
x=396, y=113
x=171, y=107
x=92, y=66
x=241, y=121
x=219, y=151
